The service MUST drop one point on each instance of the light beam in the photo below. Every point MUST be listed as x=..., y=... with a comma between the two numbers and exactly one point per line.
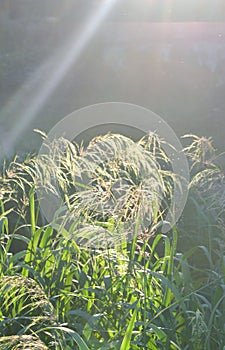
x=34, y=93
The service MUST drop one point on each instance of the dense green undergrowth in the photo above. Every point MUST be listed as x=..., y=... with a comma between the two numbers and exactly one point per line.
x=146, y=291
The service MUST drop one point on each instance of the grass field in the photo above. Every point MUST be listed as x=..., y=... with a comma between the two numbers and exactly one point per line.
x=66, y=285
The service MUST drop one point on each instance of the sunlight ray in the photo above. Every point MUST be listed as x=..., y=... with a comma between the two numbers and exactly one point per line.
x=33, y=94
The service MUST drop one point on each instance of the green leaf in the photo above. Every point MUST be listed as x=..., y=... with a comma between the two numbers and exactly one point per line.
x=127, y=338
x=74, y=335
x=32, y=209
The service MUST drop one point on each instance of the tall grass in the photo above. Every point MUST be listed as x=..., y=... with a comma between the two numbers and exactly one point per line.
x=110, y=184
x=146, y=292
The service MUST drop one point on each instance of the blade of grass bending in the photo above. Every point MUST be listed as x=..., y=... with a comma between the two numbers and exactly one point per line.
x=5, y=213
x=127, y=338
x=74, y=335
x=175, y=292
x=161, y=335
x=46, y=237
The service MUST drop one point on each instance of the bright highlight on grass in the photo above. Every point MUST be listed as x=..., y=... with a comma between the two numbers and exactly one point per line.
x=129, y=116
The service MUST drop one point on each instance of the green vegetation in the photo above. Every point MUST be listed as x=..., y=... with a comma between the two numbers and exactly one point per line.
x=66, y=285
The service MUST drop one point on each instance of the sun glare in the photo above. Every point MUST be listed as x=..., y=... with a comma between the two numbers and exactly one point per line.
x=29, y=100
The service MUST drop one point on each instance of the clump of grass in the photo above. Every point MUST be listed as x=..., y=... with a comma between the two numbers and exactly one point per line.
x=23, y=342
x=208, y=178
x=24, y=306
x=204, y=218
x=113, y=182
x=16, y=182
x=146, y=293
